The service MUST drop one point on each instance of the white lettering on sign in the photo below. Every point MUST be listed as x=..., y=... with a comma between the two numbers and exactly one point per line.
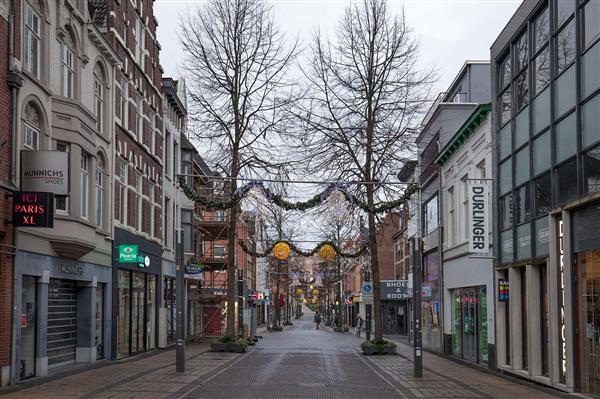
x=478, y=216
x=563, y=327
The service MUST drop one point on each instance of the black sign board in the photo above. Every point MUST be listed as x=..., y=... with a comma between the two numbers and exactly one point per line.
x=33, y=209
x=503, y=290
x=393, y=290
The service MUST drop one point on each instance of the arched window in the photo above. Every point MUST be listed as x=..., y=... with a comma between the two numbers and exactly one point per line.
x=99, y=95
x=99, y=191
x=68, y=65
x=32, y=40
x=32, y=127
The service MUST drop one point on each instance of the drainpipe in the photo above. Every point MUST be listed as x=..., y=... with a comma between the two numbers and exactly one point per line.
x=14, y=82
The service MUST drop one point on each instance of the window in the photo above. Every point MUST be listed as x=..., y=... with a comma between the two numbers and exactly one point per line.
x=186, y=167
x=522, y=166
x=31, y=127
x=450, y=231
x=175, y=159
x=139, y=38
x=541, y=30
x=33, y=38
x=138, y=201
x=99, y=98
x=506, y=212
x=591, y=170
x=566, y=178
x=590, y=118
x=153, y=132
x=152, y=208
x=543, y=195
x=541, y=153
x=99, y=195
x=167, y=155
x=139, y=121
x=465, y=206
x=219, y=251
x=167, y=214
x=430, y=217
x=124, y=102
x=521, y=55
x=186, y=225
x=84, y=185
x=566, y=145
x=122, y=191
x=505, y=141
x=505, y=176
x=522, y=206
x=481, y=174
x=68, y=66
x=521, y=91
x=61, y=204
x=590, y=78
x=506, y=107
x=505, y=73
x=565, y=46
x=563, y=11
x=590, y=22
x=541, y=70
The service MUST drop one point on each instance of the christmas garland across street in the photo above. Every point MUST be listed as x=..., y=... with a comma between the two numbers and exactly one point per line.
x=298, y=206
x=300, y=252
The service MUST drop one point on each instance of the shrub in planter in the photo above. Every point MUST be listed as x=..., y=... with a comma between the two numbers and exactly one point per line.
x=343, y=329
x=276, y=328
x=238, y=346
x=378, y=346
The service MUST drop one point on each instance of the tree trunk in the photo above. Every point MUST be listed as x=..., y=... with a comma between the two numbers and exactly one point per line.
x=231, y=273
x=374, y=267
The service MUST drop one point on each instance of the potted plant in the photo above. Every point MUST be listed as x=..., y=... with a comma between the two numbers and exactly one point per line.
x=342, y=329
x=378, y=346
x=237, y=346
x=221, y=344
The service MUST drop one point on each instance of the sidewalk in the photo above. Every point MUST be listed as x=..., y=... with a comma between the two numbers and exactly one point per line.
x=145, y=377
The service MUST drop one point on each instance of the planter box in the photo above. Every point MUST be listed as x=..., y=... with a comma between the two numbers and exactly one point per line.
x=276, y=328
x=379, y=350
x=218, y=347
x=236, y=348
x=341, y=329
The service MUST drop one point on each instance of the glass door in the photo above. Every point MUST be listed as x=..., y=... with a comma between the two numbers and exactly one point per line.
x=469, y=333
x=124, y=321
x=137, y=316
x=99, y=321
x=588, y=297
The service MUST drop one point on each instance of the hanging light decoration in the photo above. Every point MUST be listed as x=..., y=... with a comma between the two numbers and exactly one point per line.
x=299, y=291
x=315, y=292
x=282, y=251
x=314, y=300
x=326, y=252
x=318, y=281
x=295, y=280
x=337, y=206
x=304, y=300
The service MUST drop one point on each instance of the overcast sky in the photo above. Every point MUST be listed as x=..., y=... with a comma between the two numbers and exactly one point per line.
x=450, y=31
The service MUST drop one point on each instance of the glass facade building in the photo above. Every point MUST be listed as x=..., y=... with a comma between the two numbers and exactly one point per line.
x=546, y=99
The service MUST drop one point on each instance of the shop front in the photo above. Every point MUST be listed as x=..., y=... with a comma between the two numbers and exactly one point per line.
x=61, y=317
x=430, y=302
x=137, y=267
x=394, y=303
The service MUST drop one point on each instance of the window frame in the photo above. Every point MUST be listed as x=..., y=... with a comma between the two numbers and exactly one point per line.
x=68, y=70
x=84, y=188
x=99, y=196
x=123, y=190
x=32, y=34
x=99, y=105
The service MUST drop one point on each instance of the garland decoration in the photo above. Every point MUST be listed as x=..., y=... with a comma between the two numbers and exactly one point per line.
x=327, y=252
x=282, y=251
x=271, y=249
x=302, y=206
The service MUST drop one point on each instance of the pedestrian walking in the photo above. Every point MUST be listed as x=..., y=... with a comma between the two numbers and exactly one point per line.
x=318, y=319
x=358, y=325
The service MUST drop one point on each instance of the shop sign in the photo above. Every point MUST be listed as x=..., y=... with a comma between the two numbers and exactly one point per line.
x=70, y=268
x=45, y=171
x=128, y=253
x=394, y=290
x=478, y=216
x=33, y=209
x=503, y=290
x=561, y=303
x=194, y=271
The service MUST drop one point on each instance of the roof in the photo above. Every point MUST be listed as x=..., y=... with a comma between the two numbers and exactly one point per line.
x=478, y=116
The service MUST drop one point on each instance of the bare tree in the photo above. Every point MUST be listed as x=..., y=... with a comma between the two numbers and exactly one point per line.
x=236, y=62
x=367, y=95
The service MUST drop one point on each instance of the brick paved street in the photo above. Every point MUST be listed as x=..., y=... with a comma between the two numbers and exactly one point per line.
x=299, y=362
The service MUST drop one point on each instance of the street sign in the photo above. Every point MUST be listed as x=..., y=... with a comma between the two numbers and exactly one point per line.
x=33, y=209
x=367, y=288
x=128, y=253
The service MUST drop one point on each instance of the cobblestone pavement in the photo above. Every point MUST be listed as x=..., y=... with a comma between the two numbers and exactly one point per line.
x=299, y=362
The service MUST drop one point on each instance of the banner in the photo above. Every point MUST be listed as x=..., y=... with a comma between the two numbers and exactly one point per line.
x=479, y=241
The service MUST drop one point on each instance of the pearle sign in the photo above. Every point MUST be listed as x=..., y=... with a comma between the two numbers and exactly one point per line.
x=45, y=171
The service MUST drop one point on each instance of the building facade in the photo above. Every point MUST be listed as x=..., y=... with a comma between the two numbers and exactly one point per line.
x=130, y=28
x=63, y=274
x=468, y=277
x=546, y=80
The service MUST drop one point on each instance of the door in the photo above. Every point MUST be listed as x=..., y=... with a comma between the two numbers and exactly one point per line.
x=137, y=313
x=469, y=331
x=27, y=319
x=99, y=338
x=588, y=296
x=62, y=321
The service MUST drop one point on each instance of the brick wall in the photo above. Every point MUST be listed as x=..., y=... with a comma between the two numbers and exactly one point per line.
x=6, y=230
x=385, y=245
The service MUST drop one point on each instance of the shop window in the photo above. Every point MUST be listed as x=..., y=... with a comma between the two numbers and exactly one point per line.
x=566, y=144
x=150, y=310
x=522, y=166
x=590, y=64
x=522, y=128
x=27, y=321
x=564, y=94
x=482, y=312
x=543, y=195
x=522, y=207
x=542, y=236
x=590, y=116
x=507, y=246
x=566, y=178
x=505, y=140
x=541, y=111
x=524, y=241
x=591, y=170
x=124, y=316
x=505, y=176
x=545, y=324
x=590, y=22
x=99, y=338
x=563, y=11
x=541, y=153
x=506, y=212
x=541, y=30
